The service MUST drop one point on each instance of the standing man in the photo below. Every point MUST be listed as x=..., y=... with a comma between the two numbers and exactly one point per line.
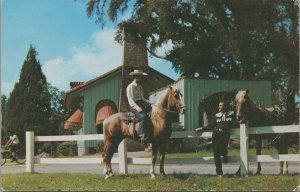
x=221, y=124
x=137, y=103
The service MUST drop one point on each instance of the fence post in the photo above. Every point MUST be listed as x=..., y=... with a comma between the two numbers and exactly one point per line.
x=122, y=150
x=30, y=151
x=244, y=144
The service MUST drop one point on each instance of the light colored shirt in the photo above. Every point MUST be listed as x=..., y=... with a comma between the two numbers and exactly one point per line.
x=14, y=139
x=134, y=93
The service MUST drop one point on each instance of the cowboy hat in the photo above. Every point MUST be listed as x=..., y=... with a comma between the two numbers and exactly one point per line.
x=138, y=72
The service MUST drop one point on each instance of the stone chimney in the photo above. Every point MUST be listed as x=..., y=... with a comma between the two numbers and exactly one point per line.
x=75, y=84
x=134, y=57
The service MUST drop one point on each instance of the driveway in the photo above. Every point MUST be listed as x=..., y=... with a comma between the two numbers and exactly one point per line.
x=267, y=168
x=229, y=168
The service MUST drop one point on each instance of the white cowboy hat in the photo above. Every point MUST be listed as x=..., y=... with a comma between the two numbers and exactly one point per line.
x=138, y=72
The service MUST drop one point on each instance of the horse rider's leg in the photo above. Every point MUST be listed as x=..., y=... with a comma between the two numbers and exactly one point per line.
x=162, y=153
x=258, y=152
x=154, y=156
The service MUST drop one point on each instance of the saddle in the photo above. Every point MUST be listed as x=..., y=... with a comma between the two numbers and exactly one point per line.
x=128, y=117
x=132, y=122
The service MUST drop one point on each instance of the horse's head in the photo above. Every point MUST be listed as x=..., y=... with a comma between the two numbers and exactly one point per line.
x=242, y=105
x=175, y=99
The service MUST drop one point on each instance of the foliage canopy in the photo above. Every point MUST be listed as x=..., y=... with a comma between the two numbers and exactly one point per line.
x=224, y=39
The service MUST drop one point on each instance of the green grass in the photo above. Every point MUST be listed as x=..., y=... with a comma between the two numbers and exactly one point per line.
x=94, y=182
x=231, y=152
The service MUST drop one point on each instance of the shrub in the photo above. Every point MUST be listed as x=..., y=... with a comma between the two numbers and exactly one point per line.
x=176, y=126
x=99, y=146
x=68, y=148
x=46, y=147
x=175, y=145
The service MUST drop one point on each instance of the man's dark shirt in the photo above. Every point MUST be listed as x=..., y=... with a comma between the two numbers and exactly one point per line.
x=222, y=121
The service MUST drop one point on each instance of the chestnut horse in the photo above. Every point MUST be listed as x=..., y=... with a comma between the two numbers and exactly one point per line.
x=247, y=110
x=116, y=129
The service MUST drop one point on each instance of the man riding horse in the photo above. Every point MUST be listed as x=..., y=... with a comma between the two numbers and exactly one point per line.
x=138, y=104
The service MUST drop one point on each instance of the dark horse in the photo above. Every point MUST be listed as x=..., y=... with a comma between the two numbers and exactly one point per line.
x=248, y=111
x=116, y=129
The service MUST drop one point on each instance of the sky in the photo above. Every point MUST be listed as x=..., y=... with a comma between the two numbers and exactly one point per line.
x=70, y=46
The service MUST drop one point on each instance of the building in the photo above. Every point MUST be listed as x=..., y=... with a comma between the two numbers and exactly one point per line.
x=195, y=90
x=92, y=101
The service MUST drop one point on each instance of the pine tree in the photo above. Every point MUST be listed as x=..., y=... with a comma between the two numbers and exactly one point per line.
x=3, y=112
x=28, y=107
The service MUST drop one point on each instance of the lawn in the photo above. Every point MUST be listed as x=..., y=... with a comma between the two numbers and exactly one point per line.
x=231, y=152
x=95, y=182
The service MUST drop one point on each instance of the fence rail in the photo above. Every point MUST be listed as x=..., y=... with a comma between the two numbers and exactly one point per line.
x=242, y=133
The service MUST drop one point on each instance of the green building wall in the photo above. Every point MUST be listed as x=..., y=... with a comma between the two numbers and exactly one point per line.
x=106, y=89
x=194, y=90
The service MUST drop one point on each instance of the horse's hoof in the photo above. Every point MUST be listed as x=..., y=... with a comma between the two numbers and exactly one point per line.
x=152, y=176
x=163, y=173
x=107, y=177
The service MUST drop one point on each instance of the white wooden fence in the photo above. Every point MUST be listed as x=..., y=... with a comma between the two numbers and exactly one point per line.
x=241, y=133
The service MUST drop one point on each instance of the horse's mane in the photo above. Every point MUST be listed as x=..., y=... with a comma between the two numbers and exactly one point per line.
x=161, y=101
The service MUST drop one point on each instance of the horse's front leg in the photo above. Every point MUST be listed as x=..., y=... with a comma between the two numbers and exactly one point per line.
x=154, y=156
x=162, y=153
x=283, y=167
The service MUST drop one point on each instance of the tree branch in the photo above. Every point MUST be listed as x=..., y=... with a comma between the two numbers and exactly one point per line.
x=155, y=55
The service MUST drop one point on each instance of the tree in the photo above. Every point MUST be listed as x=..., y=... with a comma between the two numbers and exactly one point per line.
x=242, y=40
x=28, y=106
x=4, y=131
x=58, y=114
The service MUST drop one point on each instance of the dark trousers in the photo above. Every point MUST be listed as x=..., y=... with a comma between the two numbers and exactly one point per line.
x=220, y=141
